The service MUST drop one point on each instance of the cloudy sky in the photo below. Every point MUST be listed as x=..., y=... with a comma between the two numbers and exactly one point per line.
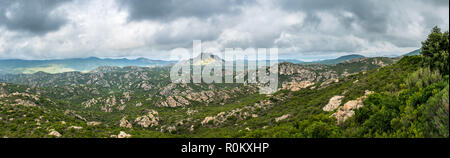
x=301, y=29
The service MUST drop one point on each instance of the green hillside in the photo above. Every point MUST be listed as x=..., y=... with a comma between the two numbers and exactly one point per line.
x=415, y=52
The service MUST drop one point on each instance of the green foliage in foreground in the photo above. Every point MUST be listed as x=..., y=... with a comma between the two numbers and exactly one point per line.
x=409, y=101
x=435, y=51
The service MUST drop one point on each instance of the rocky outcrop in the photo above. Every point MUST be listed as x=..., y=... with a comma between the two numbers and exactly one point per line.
x=122, y=134
x=379, y=62
x=149, y=120
x=125, y=123
x=334, y=103
x=89, y=103
x=347, y=111
x=208, y=119
x=296, y=86
x=109, y=103
x=185, y=98
x=167, y=90
x=54, y=133
x=278, y=119
x=25, y=99
x=328, y=82
x=204, y=96
x=145, y=86
x=312, y=73
x=75, y=127
x=172, y=102
x=182, y=101
x=25, y=103
x=93, y=123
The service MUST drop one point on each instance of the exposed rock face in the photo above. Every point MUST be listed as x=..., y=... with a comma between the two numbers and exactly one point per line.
x=379, y=63
x=54, y=133
x=312, y=73
x=328, y=82
x=183, y=99
x=122, y=134
x=109, y=104
x=89, y=103
x=240, y=113
x=191, y=128
x=333, y=103
x=296, y=86
x=93, y=123
x=75, y=127
x=125, y=123
x=278, y=119
x=204, y=96
x=172, y=102
x=290, y=69
x=151, y=119
x=166, y=90
x=167, y=128
x=171, y=129
x=207, y=119
x=347, y=111
x=27, y=100
x=146, y=86
x=25, y=103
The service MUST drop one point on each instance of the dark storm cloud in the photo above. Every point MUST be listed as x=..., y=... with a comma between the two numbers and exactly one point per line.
x=173, y=9
x=32, y=16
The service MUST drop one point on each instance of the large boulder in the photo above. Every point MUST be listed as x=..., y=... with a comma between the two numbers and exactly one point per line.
x=122, y=134
x=54, y=133
x=278, y=119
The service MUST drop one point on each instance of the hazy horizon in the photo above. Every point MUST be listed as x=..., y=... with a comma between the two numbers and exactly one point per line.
x=165, y=59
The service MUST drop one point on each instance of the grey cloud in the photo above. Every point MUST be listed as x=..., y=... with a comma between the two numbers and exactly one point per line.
x=371, y=21
x=370, y=15
x=378, y=19
x=314, y=27
x=31, y=16
x=438, y=2
x=173, y=9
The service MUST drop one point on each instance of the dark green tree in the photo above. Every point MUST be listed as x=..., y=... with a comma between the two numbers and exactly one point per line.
x=435, y=50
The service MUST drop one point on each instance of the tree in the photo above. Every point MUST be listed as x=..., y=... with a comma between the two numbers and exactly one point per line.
x=435, y=50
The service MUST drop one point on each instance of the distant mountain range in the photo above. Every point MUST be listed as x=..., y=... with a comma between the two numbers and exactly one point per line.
x=415, y=52
x=337, y=60
x=76, y=64
x=17, y=66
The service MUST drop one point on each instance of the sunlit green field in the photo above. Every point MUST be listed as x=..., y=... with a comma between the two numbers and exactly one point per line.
x=53, y=68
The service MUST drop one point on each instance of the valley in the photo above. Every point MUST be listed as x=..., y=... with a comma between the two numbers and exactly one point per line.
x=114, y=102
